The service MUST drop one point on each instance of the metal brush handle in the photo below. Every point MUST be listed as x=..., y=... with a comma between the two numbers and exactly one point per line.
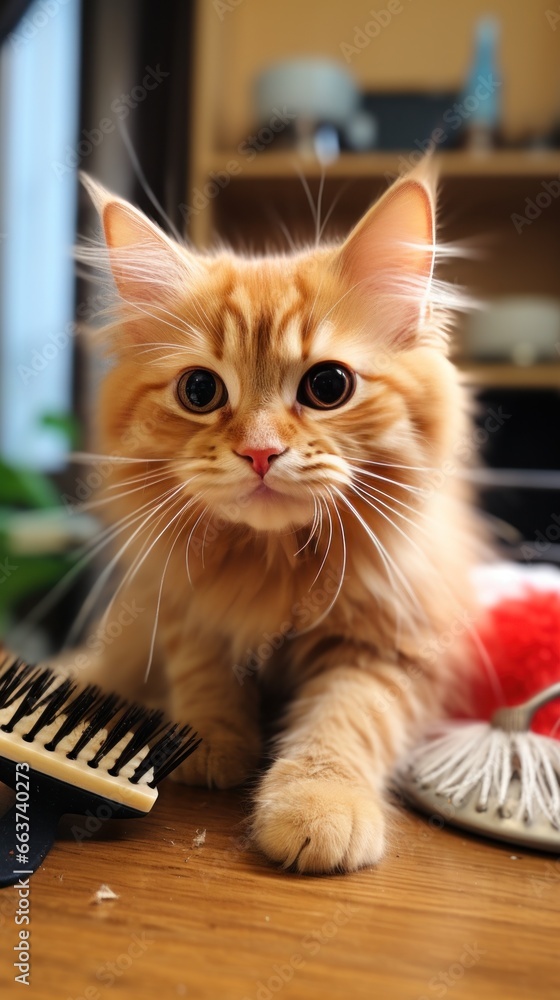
x=517, y=719
x=43, y=816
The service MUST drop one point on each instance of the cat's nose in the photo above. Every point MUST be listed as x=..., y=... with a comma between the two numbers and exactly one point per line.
x=260, y=458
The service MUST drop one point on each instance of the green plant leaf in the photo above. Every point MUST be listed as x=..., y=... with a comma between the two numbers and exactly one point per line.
x=24, y=487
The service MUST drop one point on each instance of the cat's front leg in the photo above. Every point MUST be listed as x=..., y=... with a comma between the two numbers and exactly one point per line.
x=204, y=692
x=320, y=807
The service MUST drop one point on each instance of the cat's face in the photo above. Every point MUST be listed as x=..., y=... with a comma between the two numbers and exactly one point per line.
x=266, y=384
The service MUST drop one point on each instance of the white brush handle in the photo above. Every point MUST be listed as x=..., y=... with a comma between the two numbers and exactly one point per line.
x=518, y=717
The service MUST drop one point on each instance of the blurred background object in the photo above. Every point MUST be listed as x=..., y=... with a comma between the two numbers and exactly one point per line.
x=215, y=110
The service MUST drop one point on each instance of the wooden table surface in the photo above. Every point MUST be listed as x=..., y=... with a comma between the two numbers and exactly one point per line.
x=443, y=915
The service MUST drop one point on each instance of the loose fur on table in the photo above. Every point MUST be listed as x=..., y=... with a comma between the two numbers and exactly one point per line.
x=269, y=540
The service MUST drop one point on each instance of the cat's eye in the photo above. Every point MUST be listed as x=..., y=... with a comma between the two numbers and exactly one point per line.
x=326, y=385
x=201, y=391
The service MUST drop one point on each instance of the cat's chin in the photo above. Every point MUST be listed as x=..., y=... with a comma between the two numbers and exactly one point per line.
x=269, y=510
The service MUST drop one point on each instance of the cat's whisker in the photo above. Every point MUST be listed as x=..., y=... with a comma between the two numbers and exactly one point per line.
x=184, y=329
x=424, y=555
x=404, y=534
x=368, y=496
x=393, y=465
x=308, y=195
x=335, y=202
x=313, y=524
x=84, y=555
x=392, y=569
x=175, y=469
x=342, y=297
x=314, y=303
x=189, y=539
x=320, y=531
x=147, y=547
x=208, y=523
x=330, y=606
x=278, y=221
x=318, y=227
x=119, y=525
x=375, y=492
x=432, y=520
x=175, y=538
x=327, y=549
x=136, y=166
x=103, y=501
x=150, y=346
x=386, y=479
x=143, y=476
x=87, y=456
x=379, y=492
x=89, y=603
x=369, y=501
x=343, y=544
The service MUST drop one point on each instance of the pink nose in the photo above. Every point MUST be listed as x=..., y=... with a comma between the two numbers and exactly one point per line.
x=260, y=458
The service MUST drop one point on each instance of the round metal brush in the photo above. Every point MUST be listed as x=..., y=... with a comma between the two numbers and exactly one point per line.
x=498, y=779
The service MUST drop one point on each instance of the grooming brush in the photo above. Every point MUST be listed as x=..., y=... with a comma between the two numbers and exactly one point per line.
x=497, y=779
x=65, y=750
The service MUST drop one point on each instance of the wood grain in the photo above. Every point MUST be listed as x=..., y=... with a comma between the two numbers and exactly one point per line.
x=443, y=915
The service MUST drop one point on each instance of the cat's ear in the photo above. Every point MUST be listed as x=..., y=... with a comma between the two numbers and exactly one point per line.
x=147, y=266
x=388, y=259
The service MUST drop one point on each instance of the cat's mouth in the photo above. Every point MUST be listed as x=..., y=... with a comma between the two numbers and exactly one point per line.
x=265, y=492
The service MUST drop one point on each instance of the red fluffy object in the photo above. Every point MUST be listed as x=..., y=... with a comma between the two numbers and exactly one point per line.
x=522, y=639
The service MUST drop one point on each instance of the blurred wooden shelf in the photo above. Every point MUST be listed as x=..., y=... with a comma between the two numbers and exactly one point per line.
x=542, y=376
x=458, y=163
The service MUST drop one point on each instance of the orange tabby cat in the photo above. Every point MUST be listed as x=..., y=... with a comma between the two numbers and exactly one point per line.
x=276, y=425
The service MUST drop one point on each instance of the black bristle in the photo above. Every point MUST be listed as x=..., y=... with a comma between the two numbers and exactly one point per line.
x=108, y=708
x=165, y=755
x=130, y=718
x=149, y=729
x=19, y=678
x=42, y=689
x=34, y=692
x=53, y=702
x=75, y=712
x=12, y=678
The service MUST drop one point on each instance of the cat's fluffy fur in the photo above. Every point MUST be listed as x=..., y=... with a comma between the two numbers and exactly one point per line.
x=334, y=585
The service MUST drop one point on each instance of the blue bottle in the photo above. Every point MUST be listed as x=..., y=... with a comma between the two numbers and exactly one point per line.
x=481, y=98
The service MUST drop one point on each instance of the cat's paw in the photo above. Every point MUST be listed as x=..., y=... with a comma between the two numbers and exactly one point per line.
x=318, y=825
x=223, y=759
